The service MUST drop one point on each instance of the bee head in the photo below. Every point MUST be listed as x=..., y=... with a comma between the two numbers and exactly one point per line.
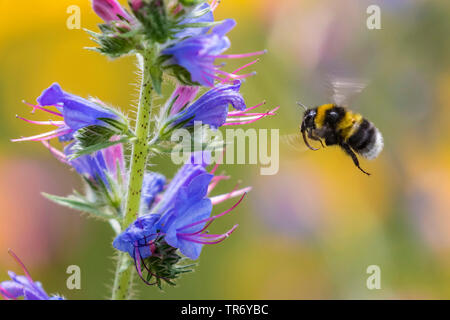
x=308, y=119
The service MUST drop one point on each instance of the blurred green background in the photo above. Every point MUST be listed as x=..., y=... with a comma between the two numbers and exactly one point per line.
x=308, y=232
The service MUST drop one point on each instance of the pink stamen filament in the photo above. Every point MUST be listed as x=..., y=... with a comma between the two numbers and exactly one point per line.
x=139, y=269
x=215, y=168
x=229, y=77
x=43, y=109
x=220, y=238
x=214, y=5
x=234, y=76
x=242, y=68
x=197, y=232
x=212, y=75
x=209, y=223
x=240, y=113
x=246, y=66
x=224, y=197
x=57, y=153
x=215, y=217
x=248, y=120
x=24, y=269
x=239, y=123
x=253, y=114
x=44, y=136
x=209, y=83
x=215, y=181
x=43, y=123
x=238, y=56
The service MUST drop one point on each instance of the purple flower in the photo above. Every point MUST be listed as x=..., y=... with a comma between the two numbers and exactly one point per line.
x=198, y=53
x=212, y=108
x=194, y=169
x=153, y=184
x=182, y=97
x=182, y=215
x=23, y=286
x=137, y=237
x=92, y=166
x=189, y=206
x=76, y=112
x=96, y=167
x=110, y=10
x=188, y=232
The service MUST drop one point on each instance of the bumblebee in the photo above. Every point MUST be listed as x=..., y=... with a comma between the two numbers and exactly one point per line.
x=338, y=126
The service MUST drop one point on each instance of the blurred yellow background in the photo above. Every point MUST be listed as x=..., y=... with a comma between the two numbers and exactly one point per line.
x=310, y=231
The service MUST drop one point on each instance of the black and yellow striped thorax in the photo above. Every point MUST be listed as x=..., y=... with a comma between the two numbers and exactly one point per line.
x=338, y=119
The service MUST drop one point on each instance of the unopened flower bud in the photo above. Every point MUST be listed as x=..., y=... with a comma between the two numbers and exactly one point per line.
x=110, y=10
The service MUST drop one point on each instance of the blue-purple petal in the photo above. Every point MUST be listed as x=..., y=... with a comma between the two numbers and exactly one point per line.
x=77, y=112
x=197, y=212
x=153, y=184
x=197, y=54
x=21, y=286
x=212, y=107
x=13, y=288
x=140, y=232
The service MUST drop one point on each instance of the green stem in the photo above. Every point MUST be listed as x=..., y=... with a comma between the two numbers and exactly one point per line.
x=124, y=272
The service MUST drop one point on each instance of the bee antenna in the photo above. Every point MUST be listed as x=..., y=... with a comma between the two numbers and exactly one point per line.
x=302, y=105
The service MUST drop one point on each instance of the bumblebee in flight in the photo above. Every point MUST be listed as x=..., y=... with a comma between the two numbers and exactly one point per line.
x=341, y=127
x=336, y=125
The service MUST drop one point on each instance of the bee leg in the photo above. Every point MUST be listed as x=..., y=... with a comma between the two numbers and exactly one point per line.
x=306, y=141
x=350, y=152
x=313, y=137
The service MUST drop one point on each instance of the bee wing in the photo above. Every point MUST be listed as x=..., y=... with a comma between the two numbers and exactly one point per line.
x=342, y=90
x=294, y=142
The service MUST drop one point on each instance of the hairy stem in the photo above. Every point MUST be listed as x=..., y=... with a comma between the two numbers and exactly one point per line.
x=124, y=272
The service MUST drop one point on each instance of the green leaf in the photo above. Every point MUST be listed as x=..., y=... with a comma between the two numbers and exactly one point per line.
x=78, y=204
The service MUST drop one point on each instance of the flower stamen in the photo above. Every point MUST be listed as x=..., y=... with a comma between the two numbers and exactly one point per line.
x=22, y=266
x=214, y=217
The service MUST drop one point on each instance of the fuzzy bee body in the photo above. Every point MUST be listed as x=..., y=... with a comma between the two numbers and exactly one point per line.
x=339, y=126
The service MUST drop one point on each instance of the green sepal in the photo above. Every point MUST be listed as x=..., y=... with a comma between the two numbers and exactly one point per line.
x=168, y=128
x=155, y=22
x=166, y=265
x=113, y=42
x=198, y=25
x=97, y=137
x=181, y=73
x=79, y=151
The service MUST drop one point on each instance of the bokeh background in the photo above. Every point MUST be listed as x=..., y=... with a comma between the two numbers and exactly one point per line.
x=308, y=232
